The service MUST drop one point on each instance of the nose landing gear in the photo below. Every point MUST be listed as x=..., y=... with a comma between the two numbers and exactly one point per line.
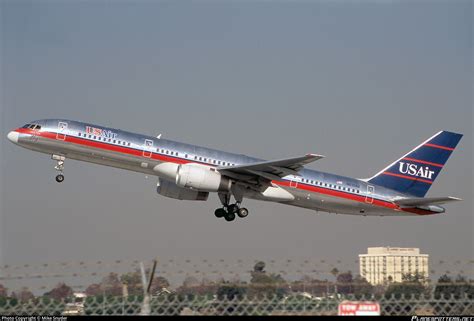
x=59, y=167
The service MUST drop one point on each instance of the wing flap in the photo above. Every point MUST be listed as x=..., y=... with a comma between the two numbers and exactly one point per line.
x=293, y=164
x=425, y=201
x=271, y=170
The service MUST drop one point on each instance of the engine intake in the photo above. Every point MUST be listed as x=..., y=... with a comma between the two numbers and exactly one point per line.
x=201, y=178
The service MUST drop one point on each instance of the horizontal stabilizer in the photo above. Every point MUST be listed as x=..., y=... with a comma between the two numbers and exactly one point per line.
x=425, y=201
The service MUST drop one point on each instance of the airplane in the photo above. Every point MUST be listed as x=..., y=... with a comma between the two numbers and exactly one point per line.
x=190, y=172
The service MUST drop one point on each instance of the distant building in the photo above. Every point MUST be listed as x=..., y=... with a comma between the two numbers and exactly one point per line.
x=382, y=265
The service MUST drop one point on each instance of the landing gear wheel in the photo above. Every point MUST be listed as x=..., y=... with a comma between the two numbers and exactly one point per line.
x=59, y=167
x=229, y=217
x=243, y=212
x=220, y=212
x=232, y=209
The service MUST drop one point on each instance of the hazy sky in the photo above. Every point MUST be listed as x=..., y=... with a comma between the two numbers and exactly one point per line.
x=361, y=83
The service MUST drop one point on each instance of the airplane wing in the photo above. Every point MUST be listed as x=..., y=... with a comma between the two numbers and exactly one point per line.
x=270, y=170
x=425, y=201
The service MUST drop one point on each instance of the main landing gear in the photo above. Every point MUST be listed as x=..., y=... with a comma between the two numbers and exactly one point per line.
x=59, y=167
x=230, y=211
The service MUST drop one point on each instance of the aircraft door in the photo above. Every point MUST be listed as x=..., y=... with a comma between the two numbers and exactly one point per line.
x=62, y=129
x=369, y=197
x=147, y=148
x=293, y=182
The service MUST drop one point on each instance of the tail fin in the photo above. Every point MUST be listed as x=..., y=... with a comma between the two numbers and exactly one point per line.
x=414, y=172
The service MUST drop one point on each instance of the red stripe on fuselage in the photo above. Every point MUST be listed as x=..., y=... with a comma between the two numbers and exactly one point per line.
x=340, y=194
x=164, y=158
x=418, y=211
x=107, y=146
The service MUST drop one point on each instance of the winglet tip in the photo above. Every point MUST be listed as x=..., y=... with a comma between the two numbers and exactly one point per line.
x=315, y=155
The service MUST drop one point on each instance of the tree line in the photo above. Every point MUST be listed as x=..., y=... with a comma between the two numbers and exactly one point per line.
x=261, y=284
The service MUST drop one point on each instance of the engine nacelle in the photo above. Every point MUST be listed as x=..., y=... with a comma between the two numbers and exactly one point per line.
x=202, y=178
x=172, y=190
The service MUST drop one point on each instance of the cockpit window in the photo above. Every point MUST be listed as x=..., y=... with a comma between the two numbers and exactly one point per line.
x=32, y=126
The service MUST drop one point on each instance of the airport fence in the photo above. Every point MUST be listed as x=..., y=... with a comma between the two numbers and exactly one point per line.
x=229, y=287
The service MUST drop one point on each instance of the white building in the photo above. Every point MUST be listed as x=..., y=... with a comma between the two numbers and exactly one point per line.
x=382, y=265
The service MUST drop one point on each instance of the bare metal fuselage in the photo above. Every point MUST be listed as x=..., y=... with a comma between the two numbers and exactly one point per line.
x=159, y=157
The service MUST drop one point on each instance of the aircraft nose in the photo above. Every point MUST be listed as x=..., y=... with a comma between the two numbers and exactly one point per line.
x=13, y=136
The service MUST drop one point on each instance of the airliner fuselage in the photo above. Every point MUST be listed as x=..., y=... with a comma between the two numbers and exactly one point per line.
x=190, y=172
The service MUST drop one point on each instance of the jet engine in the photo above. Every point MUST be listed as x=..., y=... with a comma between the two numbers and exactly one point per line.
x=201, y=178
x=171, y=190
